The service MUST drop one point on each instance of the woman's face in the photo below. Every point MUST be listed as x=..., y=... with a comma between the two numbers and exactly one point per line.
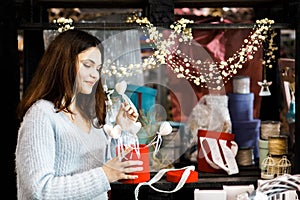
x=88, y=70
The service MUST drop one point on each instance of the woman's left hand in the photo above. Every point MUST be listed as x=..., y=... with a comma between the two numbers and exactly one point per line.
x=116, y=169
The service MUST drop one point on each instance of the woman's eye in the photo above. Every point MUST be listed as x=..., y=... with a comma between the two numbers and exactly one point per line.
x=90, y=65
x=86, y=65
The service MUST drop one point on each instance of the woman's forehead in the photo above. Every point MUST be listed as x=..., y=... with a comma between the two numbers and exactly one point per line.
x=93, y=54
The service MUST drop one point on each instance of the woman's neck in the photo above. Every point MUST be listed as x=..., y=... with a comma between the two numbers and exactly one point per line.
x=78, y=118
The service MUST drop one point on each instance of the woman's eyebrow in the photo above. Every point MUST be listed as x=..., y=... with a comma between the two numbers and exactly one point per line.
x=87, y=59
x=90, y=60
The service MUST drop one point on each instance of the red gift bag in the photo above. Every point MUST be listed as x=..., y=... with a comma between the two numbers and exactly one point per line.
x=142, y=154
x=216, y=152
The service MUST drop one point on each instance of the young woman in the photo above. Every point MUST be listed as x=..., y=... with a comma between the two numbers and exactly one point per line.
x=62, y=150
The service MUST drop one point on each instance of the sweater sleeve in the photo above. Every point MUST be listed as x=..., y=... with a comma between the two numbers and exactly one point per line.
x=35, y=164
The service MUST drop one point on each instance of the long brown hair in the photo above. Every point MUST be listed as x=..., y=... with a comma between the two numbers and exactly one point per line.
x=55, y=76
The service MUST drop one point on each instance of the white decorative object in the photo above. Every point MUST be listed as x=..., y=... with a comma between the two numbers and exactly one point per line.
x=165, y=129
x=115, y=133
x=267, y=168
x=264, y=91
x=134, y=127
x=209, y=194
x=121, y=89
x=283, y=166
x=279, y=186
x=233, y=191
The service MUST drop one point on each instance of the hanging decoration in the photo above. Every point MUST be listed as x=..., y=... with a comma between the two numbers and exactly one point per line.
x=268, y=60
x=132, y=127
x=165, y=129
x=115, y=131
x=108, y=94
x=264, y=91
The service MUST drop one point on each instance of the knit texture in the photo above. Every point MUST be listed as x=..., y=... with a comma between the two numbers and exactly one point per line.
x=56, y=160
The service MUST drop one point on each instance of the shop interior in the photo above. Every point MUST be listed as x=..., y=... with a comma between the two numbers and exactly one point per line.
x=265, y=79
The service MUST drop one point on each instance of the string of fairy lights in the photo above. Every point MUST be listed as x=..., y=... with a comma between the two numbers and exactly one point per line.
x=207, y=74
x=202, y=72
x=213, y=75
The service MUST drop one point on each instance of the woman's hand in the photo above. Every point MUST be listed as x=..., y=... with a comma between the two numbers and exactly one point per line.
x=126, y=111
x=127, y=118
x=116, y=169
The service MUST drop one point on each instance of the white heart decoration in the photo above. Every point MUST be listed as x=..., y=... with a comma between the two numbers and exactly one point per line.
x=114, y=132
x=134, y=128
x=121, y=87
x=165, y=129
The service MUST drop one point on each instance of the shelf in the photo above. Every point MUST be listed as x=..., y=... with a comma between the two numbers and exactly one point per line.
x=247, y=176
x=93, y=3
x=142, y=3
x=125, y=26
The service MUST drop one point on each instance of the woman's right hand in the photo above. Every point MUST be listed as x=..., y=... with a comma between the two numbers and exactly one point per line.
x=116, y=169
x=127, y=119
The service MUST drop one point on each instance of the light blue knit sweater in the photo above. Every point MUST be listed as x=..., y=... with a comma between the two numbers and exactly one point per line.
x=56, y=160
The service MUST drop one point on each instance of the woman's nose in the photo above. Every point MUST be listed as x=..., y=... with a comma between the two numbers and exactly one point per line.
x=94, y=73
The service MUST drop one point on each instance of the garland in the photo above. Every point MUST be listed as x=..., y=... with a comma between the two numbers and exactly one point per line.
x=207, y=74
x=203, y=73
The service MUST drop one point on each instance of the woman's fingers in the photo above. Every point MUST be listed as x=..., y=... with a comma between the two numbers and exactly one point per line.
x=116, y=170
x=131, y=113
x=126, y=107
x=133, y=169
x=128, y=176
x=130, y=163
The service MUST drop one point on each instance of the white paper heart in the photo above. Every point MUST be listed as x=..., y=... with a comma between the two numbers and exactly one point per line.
x=114, y=132
x=107, y=128
x=135, y=127
x=121, y=87
x=165, y=129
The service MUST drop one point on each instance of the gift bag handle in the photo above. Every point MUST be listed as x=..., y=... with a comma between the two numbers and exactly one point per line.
x=157, y=177
x=229, y=156
x=217, y=161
